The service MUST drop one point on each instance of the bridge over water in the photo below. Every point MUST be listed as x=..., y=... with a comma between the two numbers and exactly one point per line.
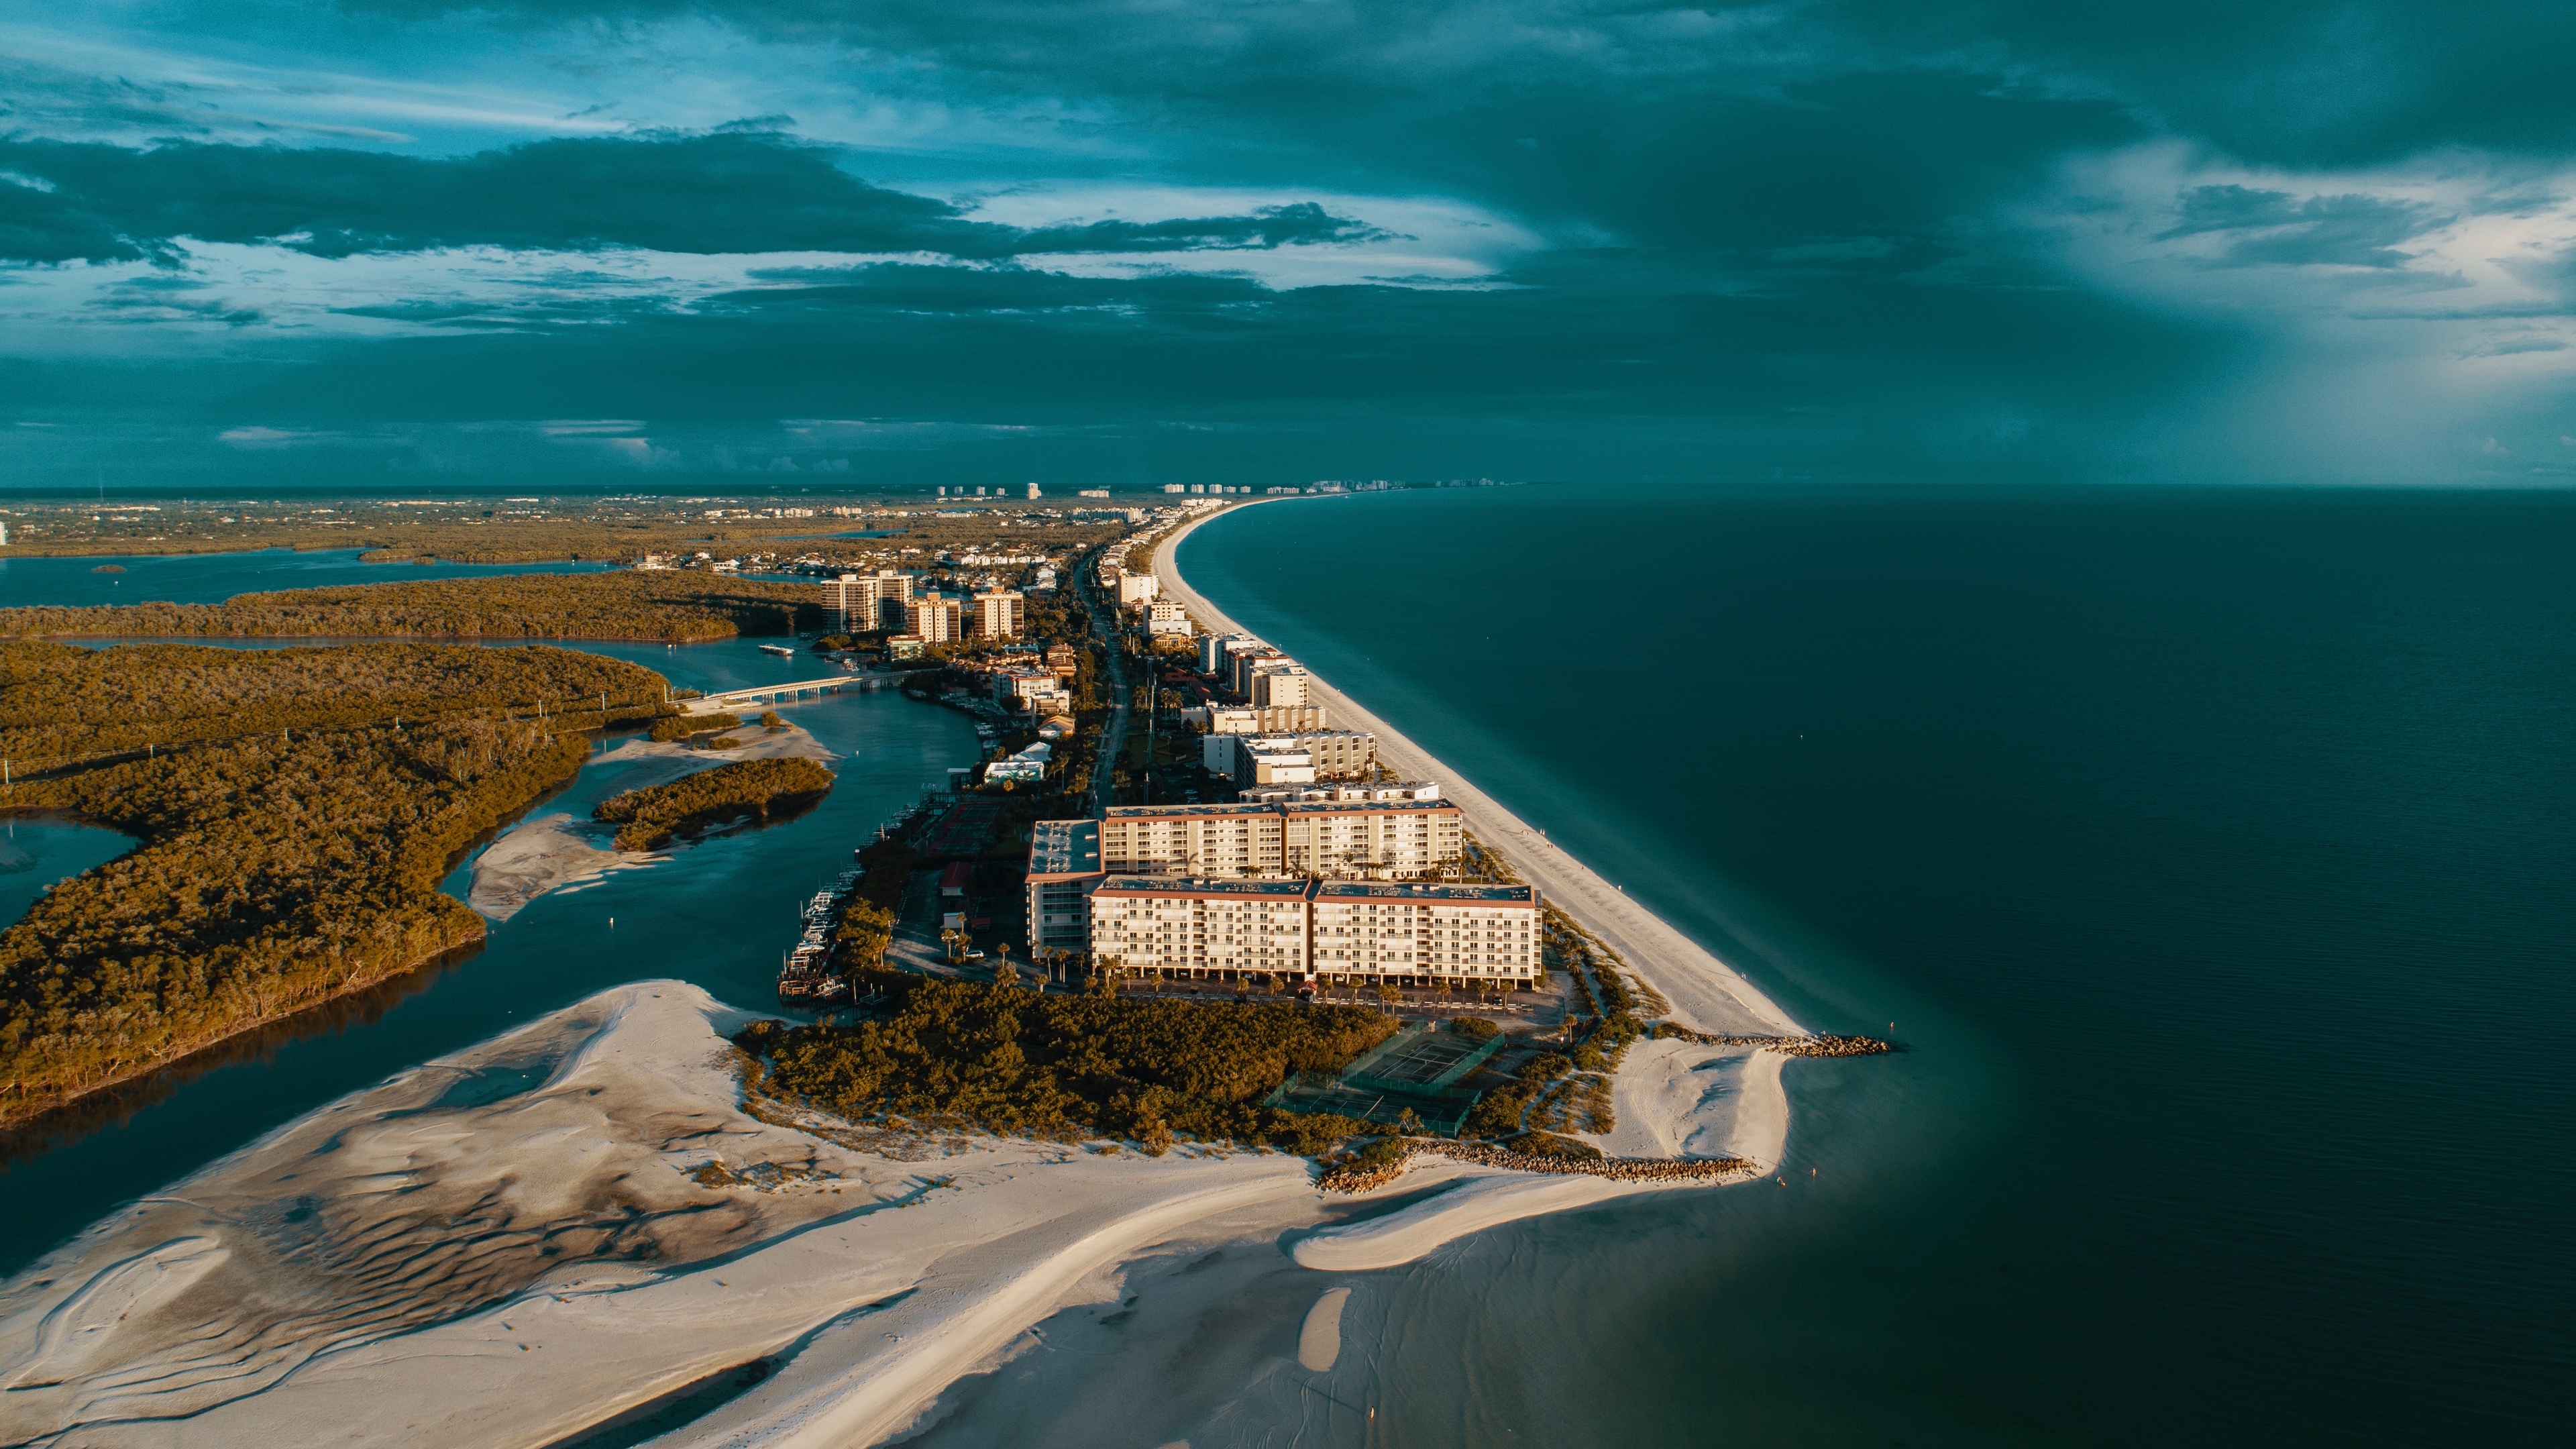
x=774, y=695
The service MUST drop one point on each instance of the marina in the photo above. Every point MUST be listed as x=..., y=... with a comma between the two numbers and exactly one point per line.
x=805, y=974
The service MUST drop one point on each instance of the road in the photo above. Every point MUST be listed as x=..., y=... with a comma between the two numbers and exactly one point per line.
x=1113, y=736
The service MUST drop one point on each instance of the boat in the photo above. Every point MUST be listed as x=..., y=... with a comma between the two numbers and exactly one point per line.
x=781, y=650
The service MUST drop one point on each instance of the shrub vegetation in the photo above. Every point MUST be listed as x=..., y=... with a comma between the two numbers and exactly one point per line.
x=667, y=605
x=651, y=816
x=681, y=726
x=290, y=846
x=1068, y=1066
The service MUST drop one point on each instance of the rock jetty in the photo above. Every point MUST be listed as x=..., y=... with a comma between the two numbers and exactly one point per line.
x=1792, y=1046
x=1362, y=1176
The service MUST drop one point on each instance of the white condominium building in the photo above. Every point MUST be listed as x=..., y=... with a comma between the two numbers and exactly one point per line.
x=1245, y=662
x=1376, y=838
x=1280, y=719
x=1271, y=759
x=1163, y=616
x=1345, y=932
x=1205, y=840
x=1200, y=929
x=1367, y=932
x=1278, y=686
x=1345, y=790
x=1385, y=839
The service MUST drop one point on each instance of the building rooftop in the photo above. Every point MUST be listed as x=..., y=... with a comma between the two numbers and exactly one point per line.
x=1403, y=891
x=1346, y=807
x=1064, y=847
x=1166, y=885
x=1129, y=812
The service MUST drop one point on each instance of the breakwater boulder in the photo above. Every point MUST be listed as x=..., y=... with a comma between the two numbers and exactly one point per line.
x=1793, y=1046
x=1363, y=1175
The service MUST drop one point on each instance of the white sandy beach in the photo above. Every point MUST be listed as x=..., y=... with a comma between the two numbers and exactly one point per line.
x=1705, y=992
x=513, y=1245
x=415, y=1266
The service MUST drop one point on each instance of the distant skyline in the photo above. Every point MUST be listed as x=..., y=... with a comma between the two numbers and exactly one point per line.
x=368, y=242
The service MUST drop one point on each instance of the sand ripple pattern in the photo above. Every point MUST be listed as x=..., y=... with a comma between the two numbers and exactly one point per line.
x=406, y=1207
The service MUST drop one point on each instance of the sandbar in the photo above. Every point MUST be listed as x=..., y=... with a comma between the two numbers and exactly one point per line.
x=560, y=850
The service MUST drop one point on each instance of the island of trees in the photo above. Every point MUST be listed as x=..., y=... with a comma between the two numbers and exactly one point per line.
x=648, y=818
x=676, y=606
x=294, y=809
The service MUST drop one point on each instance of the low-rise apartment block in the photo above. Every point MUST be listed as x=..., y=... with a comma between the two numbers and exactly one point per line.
x=1246, y=662
x=1372, y=933
x=1164, y=616
x=1268, y=759
x=1279, y=719
x=1337, y=931
x=1278, y=686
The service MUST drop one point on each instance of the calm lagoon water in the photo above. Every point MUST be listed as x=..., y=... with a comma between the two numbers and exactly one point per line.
x=717, y=914
x=35, y=853
x=211, y=578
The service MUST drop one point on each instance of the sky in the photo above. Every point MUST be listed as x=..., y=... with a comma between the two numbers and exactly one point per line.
x=1272, y=241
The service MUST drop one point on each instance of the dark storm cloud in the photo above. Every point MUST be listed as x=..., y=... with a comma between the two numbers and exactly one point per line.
x=2290, y=81
x=2297, y=82
x=2274, y=228
x=734, y=191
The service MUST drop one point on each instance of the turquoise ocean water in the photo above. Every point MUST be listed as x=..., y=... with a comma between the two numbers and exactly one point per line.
x=2210, y=850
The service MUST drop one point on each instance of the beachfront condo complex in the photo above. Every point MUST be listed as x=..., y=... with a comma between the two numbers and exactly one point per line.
x=1339, y=932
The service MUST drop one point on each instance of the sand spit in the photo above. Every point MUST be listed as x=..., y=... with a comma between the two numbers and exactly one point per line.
x=755, y=742
x=539, y=855
x=512, y=1245
x=560, y=850
x=576, y=1221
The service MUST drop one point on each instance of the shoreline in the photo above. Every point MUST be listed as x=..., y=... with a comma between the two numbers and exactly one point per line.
x=1706, y=993
x=635, y=1228
x=633, y=1232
